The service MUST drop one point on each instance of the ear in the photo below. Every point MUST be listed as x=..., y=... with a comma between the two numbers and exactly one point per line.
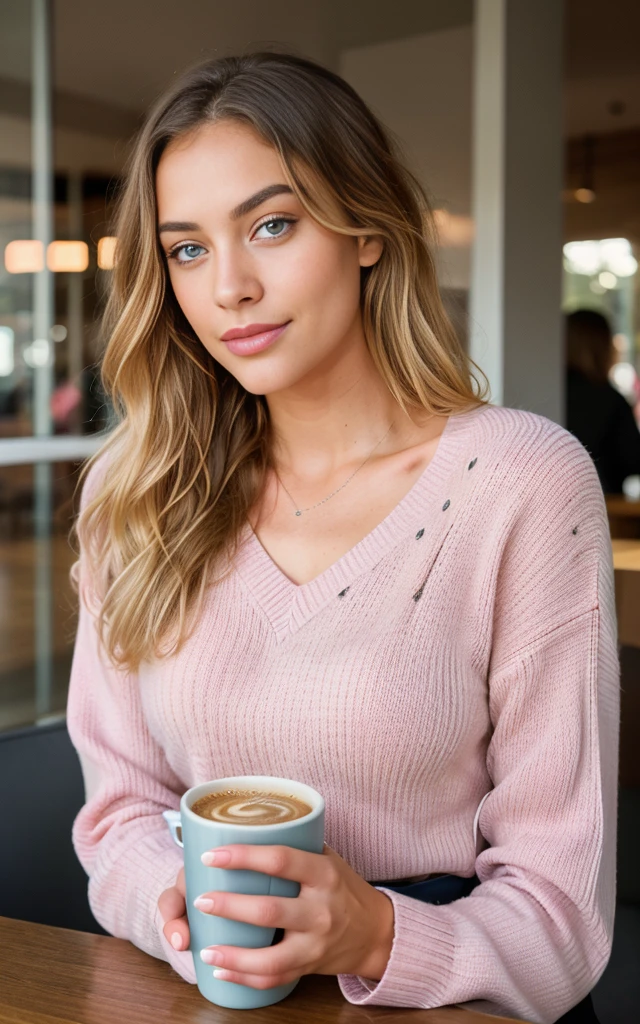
x=369, y=249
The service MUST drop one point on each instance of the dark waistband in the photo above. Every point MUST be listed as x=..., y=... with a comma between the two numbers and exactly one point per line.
x=438, y=889
x=392, y=882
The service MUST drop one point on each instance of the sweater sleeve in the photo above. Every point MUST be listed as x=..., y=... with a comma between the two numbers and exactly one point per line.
x=119, y=835
x=534, y=937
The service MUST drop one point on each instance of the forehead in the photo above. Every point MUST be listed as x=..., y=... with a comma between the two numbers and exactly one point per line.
x=215, y=166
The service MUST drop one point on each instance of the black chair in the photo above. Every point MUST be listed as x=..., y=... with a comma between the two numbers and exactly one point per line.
x=41, y=791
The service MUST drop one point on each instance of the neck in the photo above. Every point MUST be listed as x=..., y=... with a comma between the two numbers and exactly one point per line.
x=332, y=421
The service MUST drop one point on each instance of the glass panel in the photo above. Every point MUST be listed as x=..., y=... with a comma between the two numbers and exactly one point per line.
x=78, y=405
x=50, y=223
x=37, y=623
x=16, y=289
x=51, y=291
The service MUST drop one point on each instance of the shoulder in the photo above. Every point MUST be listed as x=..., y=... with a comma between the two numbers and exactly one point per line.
x=528, y=453
x=533, y=484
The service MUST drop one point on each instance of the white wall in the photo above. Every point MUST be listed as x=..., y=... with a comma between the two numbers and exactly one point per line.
x=421, y=89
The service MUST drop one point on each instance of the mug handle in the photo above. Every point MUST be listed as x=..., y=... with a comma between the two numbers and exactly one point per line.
x=174, y=821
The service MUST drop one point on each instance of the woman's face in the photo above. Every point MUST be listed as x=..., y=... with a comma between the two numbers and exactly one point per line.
x=238, y=258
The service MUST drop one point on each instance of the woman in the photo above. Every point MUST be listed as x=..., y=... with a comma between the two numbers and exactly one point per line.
x=598, y=415
x=312, y=549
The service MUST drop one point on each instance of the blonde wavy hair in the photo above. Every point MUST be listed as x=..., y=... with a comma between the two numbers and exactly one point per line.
x=175, y=480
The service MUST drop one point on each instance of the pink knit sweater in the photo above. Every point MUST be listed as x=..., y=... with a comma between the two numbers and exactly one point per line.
x=450, y=686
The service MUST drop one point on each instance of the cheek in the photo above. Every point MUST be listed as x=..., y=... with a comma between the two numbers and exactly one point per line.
x=190, y=295
x=322, y=282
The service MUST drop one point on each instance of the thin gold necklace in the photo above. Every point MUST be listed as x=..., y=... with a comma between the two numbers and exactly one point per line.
x=299, y=511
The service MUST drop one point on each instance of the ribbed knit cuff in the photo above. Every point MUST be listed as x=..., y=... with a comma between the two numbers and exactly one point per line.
x=419, y=967
x=158, y=861
x=180, y=960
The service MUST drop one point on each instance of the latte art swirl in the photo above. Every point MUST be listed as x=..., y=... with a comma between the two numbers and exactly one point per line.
x=242, y=807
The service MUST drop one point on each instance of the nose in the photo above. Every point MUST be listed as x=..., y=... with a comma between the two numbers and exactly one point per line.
x=235, y=280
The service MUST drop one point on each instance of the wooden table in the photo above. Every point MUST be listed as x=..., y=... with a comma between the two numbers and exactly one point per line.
x=624, y=516
x=55, y=976
x=626, y=554
x=626, y=563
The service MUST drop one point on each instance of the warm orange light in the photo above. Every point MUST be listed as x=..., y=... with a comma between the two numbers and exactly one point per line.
x=585, y=195
x=107, y=252
x=24, y=257
x=454, y=230
x=68, y=257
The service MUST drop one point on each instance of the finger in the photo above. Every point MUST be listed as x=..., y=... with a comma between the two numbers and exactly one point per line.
x=171, y=904
x=177, y=933
x=272, y=965
x=264, y=911
x=281, y=861
x=256, y=980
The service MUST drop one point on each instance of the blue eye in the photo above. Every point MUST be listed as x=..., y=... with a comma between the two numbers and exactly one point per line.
x=269, y=224
x=190, y=251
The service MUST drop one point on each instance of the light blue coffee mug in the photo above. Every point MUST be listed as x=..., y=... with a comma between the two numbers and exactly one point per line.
x=197, y=835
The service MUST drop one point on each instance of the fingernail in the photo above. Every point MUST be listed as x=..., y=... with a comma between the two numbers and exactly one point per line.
x=212, y=957
x=176, y=940
x=204, y=904
x=220, y=974
x=219, y=857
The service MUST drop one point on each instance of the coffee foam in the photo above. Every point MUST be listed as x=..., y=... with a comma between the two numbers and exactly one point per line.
x=250, y=807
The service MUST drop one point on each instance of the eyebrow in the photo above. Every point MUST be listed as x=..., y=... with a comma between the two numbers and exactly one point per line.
x=241, y=210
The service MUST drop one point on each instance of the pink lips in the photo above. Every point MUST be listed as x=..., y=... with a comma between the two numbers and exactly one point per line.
x=244, y=341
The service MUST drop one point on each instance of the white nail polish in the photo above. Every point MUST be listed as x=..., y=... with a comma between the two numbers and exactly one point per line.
x=204, y=904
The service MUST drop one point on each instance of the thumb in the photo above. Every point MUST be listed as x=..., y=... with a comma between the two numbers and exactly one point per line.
x=177, y=933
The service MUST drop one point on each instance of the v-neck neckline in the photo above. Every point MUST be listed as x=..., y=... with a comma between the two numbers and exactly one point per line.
x=288, y=605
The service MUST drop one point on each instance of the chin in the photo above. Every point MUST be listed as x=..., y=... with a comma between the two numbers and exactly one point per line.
x=263, y=381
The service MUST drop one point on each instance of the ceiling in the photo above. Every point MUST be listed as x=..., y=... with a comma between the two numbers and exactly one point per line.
x=112, y=57
x=125, y=51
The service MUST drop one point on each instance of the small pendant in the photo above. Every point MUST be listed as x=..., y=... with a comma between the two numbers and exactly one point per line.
x=298, y=513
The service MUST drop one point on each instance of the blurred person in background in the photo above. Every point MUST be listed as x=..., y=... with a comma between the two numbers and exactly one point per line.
x=597, y=414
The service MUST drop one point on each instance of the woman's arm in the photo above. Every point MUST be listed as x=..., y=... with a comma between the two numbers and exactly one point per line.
x=535, y=936
x=119, y=835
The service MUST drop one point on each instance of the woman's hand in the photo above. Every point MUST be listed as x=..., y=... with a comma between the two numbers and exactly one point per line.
x=173, y=907
x=338, y=924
